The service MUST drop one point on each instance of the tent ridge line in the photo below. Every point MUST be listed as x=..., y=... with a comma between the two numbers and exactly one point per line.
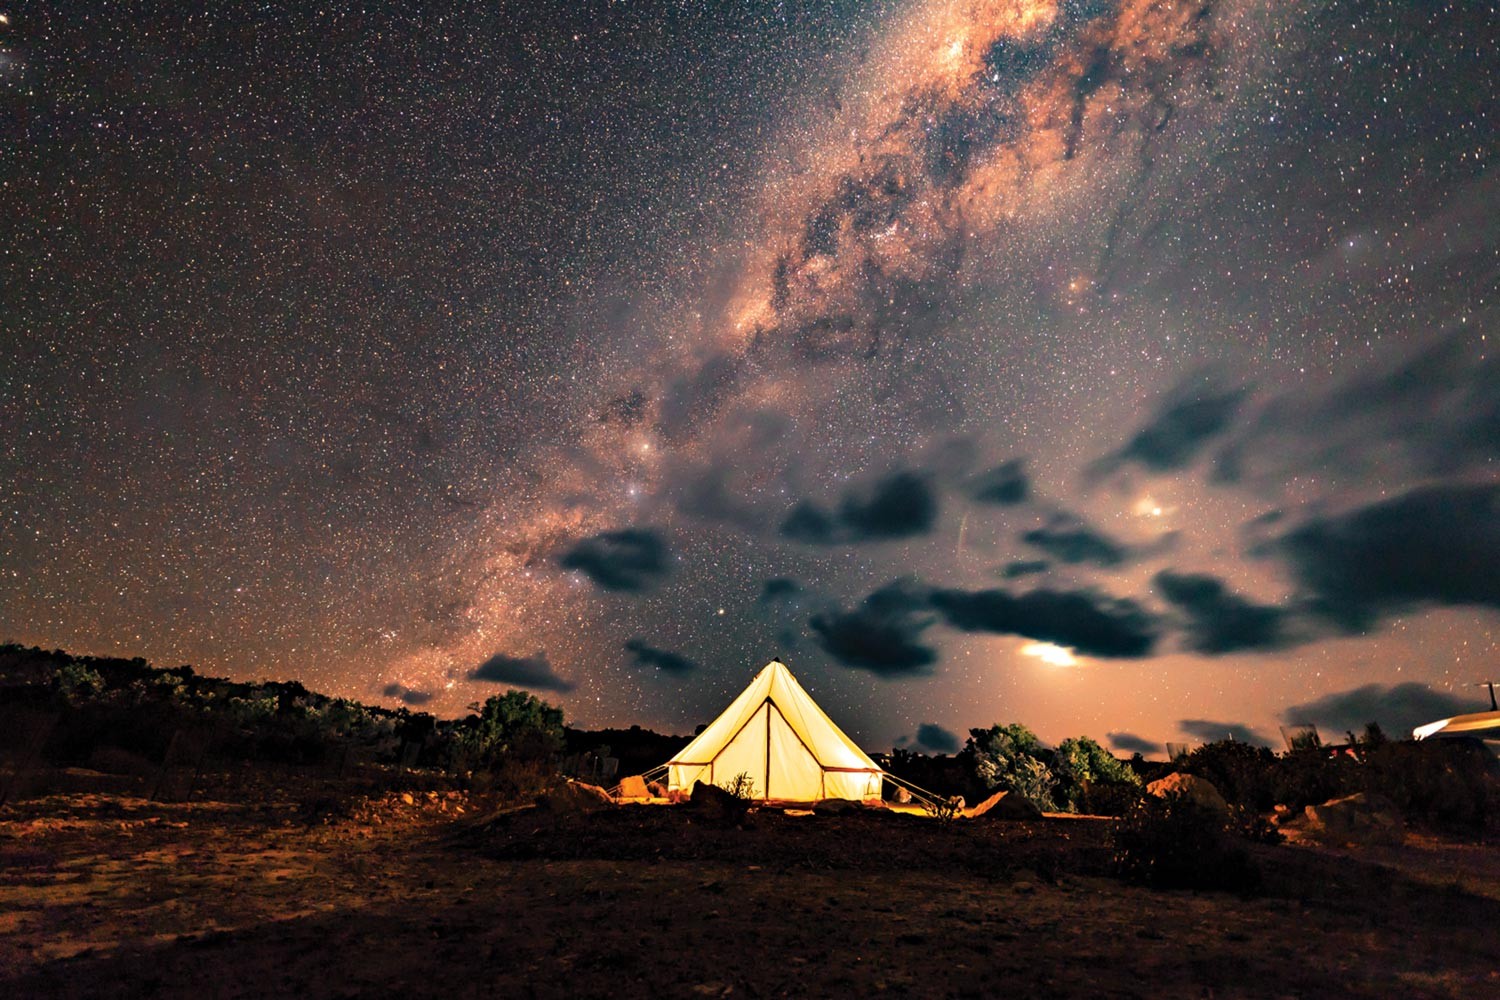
x=766, y=701
x=793, y=730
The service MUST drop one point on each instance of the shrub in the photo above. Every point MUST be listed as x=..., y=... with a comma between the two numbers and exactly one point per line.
x=1247, y=824
x=1244, y=774
x=945, y=810
x=1173, y=843
x=1079, y=765
x=511, y=725
x=1445, y=784
x=78, y=682
x=516, y=779
x=1011, y=757
x=1308, y=777
x=1110, y=798
x=741, y=786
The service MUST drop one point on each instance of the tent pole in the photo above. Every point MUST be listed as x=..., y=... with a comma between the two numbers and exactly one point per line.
x=768, y=747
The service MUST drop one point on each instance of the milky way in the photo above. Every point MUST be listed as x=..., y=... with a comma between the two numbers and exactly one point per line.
x=1120, y=368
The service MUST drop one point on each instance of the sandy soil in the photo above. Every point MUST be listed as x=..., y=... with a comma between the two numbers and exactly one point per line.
x=104, y=896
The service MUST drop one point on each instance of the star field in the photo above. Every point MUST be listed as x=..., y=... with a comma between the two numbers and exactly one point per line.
x=416, y=353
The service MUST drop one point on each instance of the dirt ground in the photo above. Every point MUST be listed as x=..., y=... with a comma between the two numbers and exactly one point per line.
x=109, y=896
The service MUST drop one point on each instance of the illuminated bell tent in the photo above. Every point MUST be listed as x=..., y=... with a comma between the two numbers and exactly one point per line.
x=776, y=735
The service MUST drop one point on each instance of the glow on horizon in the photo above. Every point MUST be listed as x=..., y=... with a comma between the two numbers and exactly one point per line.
x=1050, y=654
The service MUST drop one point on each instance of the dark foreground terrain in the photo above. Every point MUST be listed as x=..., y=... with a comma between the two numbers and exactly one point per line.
x=109, y=896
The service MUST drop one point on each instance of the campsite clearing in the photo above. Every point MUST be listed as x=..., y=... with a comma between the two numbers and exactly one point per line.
x=105, y=896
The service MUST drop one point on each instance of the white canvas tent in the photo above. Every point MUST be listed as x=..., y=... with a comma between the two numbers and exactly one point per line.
x=1478, y=722
x=778, y=736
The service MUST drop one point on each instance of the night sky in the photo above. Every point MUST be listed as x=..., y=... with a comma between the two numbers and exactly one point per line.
x=1120, y=368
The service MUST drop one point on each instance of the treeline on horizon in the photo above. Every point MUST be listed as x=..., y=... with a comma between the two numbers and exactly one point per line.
x=126, y=716
x=120, y=713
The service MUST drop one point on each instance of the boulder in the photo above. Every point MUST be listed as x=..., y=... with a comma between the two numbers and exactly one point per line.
x=576, y=797
x=634, y=787
x=1006, y=805
x=1196, y=790
x=1363, y=819
x=713, y=803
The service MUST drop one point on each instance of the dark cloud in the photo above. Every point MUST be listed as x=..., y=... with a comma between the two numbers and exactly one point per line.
x=1092, y=623
x=406, y=695
x=809, y=523
x=779, y=588
x=664, y=660
x=1131, y=743
x=899, y=506
x=1068, y=539
x=1433, y=412
x=1211, y=731
x=1024, y=567
x=1178, y=431
x=1434, y=545
x=533, y=672
x=1220, y=621
x=1006, y=484
x=937, y=739
x=629, y=559
x=883, y=635
x=1257, y=531
x=1398, y=708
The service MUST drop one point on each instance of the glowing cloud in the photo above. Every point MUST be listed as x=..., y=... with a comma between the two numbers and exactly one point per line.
x=1050, y=653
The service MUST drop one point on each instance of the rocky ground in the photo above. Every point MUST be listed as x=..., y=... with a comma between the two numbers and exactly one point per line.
x=436, y=894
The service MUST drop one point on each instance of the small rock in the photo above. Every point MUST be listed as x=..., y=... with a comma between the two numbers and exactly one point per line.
x=835, y=806
x=576, y=797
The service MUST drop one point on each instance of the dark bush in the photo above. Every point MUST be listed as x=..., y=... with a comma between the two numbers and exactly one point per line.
x=516, y=779
x=1080, y=765
x=1173, y=843
x=1247, y=824
x=1244, y=774
x=1446, y=785
x=1309, y=777
x=1110, y=798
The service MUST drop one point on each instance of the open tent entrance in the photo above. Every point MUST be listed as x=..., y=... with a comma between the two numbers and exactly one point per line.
x=783, y=744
